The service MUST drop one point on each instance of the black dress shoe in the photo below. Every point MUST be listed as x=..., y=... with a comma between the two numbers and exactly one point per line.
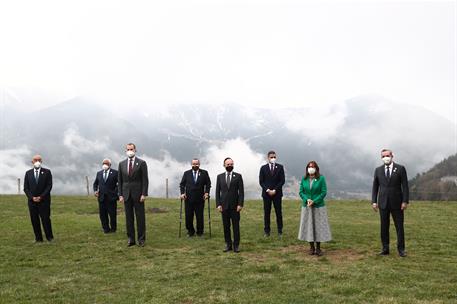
x=106, y=231
x=130, y=244
x=141, y=243
x=266, y=235
x=38, y=241
x=227, y=248
x=236, y=249
x=384, y=252
x=402, y=253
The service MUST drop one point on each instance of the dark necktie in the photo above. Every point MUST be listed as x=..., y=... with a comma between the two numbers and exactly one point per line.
x=228, y=180
x=105, y=175
x=272, y=168
x=130, y=167
x=387, y=172
x=36, y=176
x=195, y=177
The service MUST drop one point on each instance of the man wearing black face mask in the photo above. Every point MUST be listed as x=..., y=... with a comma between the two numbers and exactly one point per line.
x=195, y=185
x=229, y=201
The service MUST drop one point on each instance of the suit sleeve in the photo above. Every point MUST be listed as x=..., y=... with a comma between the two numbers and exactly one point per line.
x=27, y=187
x=48, y=187
x=182, y=184
x=218, y=192
x=262, y=180
x=375, y=189
x=404, y=186
x=241, y=192
x=208, y=183
x=282, y=179
x=144, y=176
x=96, y=183
x=302, y=192
x=119, y=180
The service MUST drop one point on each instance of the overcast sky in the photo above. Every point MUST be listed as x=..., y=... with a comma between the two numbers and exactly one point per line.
x=262, y=53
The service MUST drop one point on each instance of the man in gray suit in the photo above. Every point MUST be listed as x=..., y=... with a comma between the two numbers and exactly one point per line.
x=133, y=189
x=229, y=201
x=390, y=195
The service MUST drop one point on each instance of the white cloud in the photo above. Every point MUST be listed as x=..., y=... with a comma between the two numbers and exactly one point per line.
x=78, y=144
x=14, y=164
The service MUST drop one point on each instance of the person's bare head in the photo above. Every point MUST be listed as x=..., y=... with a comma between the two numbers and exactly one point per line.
x=107, y=162
x=195, y=164
x=387, y=156
x=37, y=160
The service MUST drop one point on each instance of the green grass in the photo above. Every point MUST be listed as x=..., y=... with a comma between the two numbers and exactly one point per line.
x=85, y=266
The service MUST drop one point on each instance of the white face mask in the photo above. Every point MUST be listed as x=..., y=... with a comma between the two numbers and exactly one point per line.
x=130, y=153
x=105, y=167
x=387, y=160
x=311, y=170
x=272, y=160
x=37, y=164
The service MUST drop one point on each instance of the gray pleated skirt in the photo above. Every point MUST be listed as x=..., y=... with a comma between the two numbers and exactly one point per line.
x=314, y=226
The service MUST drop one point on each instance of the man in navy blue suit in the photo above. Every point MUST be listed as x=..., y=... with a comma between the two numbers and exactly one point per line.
x=37, y=187
x=105, y=188
x=271, y=179
x=195, y=185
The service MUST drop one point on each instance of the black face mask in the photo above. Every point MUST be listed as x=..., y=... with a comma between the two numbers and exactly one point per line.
x=195, y=168
x=229, y=168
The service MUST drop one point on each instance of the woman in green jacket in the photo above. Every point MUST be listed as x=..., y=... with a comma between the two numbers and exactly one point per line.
x=314, y=226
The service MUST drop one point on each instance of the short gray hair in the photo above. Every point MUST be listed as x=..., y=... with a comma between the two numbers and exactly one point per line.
x=106, y=159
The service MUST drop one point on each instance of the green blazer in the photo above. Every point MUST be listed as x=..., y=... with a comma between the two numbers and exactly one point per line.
x=316, y=193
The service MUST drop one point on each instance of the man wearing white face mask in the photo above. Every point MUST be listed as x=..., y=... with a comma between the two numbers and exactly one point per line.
x=37, y=187
x=390, y=194
x=105, y=189
x=133, y=188
x=271, y=179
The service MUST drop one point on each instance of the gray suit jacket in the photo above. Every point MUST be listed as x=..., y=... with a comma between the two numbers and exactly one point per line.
x=135, y=185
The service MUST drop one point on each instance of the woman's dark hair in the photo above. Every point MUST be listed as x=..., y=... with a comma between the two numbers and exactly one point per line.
x=317, y=174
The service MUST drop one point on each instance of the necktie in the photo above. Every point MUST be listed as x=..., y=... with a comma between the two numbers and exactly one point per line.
x=272, y=167
x=36, y=176
x=105, y=175
x=130, y=167
x=195, y=177
x=228, y=180
x=387, y=172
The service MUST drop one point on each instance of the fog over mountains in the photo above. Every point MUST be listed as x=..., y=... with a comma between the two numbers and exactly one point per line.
x=345, y=140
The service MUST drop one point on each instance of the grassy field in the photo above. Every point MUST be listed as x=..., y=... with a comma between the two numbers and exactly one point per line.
x=84, y=265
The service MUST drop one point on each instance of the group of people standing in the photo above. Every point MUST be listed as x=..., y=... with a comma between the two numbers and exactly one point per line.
x=129, y=185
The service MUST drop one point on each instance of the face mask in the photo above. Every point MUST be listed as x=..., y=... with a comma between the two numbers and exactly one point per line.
x=37, y=164
x=387, y=160
x=229, y=168
x=311, y=170
x=130, y=153
x=195, y=168
x=105, y=167
x=272, y=160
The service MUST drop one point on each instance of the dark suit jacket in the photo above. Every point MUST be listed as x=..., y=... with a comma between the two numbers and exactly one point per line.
x=272, y=182
x=195, y=191
x=106, y=189
x=42, y=189
x=136, y=185
x=229, y=198
x=393, y=191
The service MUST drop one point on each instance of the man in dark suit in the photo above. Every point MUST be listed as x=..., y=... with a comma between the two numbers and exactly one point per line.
x=390, y=195
x=37, y=187
x=229, y=201
x=271, y=179
x=105, y=189
x=195, y=185
x=133, y=188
